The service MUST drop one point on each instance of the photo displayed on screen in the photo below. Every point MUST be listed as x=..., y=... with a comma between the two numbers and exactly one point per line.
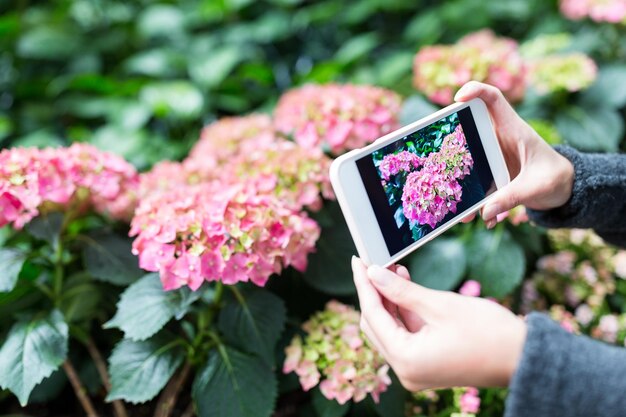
x=424, y=179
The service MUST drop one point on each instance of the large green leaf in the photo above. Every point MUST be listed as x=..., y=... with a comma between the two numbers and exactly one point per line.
x=439, y=264
x=328, y=408
x=80, y=298
x=234, y=384
x=212, y=67
x=11, y=262
x=47, y=227
x=329, y=267
x=496, y=261
x=594, y=128
x=175, y=99
x=140, y=370
x=607, y=90
x=108, y=257
x=254, y=322
x=34, y=348
x=144, y=308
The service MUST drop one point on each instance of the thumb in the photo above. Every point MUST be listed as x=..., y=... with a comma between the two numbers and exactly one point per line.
x=510, y=196
x=404, y=292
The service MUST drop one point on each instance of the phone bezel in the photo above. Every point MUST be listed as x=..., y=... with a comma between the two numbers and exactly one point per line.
x=354, y=201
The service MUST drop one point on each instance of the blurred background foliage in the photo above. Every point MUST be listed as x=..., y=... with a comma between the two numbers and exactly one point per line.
x=140, y=78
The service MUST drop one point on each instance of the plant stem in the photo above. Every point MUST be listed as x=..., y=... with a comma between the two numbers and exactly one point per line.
x=118, y=405
x=79, y=389
x=58, y=271
x=189, y=412
x=168, y=397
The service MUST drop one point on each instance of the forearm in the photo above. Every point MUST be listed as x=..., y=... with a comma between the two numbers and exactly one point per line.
x=598, y=198
x=564, y=374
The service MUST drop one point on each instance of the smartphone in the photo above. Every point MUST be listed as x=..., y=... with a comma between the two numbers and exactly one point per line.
x=411, y=185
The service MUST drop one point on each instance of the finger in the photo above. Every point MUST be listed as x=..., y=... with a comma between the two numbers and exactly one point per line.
x=506, y=198
x=411, y=320
x=371, y=337
x=383, y=326
x=405, y=293
x=499, y=108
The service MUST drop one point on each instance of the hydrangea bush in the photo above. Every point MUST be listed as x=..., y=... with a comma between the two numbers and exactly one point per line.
x=218, y=284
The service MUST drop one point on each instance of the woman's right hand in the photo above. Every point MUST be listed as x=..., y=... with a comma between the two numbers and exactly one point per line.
x=542, y=179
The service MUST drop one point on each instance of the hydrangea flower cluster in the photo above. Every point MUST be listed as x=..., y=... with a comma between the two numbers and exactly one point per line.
x=434, y=191
x=336, y=352
x=562, y=72
x=337, y=117
x=209, y=232
x=226, y=138
x=440, y=70
x=395, y=163
x=81, y=177
x=467, y=401
x=611, y=11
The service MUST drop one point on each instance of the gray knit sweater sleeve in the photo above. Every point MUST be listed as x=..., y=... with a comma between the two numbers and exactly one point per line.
x=598, y=198
x=561, y=374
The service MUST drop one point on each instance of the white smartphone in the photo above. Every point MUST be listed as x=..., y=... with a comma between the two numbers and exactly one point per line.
x=411, y=185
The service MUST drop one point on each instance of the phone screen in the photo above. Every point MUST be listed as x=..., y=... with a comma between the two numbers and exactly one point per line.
x=424, y=179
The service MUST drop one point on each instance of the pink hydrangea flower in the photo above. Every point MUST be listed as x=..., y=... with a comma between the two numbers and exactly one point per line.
x=395, y=163
x=335, y=354
x=215, y=232
x=434, y=191
x=80, y=176
x=561, y=72
x=611, y=11
x=337, y=117
x=470, y=401
x=440, y=70
x=470, y=288
x=246, y=149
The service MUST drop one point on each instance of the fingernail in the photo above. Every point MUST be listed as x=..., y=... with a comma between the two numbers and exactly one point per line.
x=491, y=211
x=378, y=274
x=502, y=216
x=491, y=223
x=463, y=91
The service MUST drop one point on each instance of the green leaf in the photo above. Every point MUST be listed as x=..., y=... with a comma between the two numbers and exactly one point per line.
x=414, y=108
x=329, y=267
x=6, y=126
x=140, y=370
x=606, y=90
x=48, y=42
x=357, y=47
x=176, y=99
x=161, y=20
x=11, y=262
x=144, y=308
x=594, y=128
x=80, y=298
x=254, y=322
x=47, y=227
x=328, y=408
x=496, y=261
x=34, y=348
x=212, y=67
x=108, y=257
x=234, y=384
x=439, y=264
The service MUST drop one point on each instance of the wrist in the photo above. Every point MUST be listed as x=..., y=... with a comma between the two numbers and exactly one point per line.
x=566, y=180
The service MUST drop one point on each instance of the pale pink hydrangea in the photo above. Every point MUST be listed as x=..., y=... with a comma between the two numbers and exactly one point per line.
x=212, y=232
x=561, y=262
x=584, y=314
x=80, y=177
x=337, y=117
x=440, y=70
x=619, y=264
x=564, y=318
x=469, y=403
x=561, y=72
x=230, y=136
x=611, y=11
x=470, y=288
x=395, y=163
x=337, y=356
x=434, y=191
x=608, y=328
